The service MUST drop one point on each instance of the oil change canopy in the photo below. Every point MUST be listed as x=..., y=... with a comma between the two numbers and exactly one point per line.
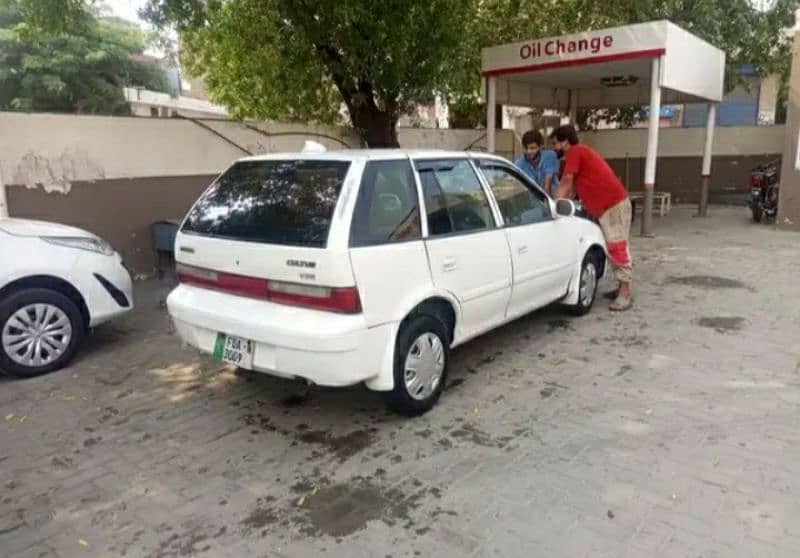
x=634, y=65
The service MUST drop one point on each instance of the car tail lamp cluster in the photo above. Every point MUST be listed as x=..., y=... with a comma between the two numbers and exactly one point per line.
x=329, y=299
x=756, y=180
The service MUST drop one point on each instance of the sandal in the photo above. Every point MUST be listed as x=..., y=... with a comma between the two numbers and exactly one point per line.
x=621, y=304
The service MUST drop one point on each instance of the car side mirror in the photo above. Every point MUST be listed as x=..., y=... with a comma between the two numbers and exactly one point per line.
x=565, y=208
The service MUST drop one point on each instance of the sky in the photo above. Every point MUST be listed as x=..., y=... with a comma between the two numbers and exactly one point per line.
x=126, y=9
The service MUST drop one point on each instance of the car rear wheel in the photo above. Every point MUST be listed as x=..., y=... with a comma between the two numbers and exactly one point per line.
x=587, y=287
x=40, y=330
x=422, y=353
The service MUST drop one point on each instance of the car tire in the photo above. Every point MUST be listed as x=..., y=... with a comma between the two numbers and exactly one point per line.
x=61, y=325
x=587, y=286
x=422, y=354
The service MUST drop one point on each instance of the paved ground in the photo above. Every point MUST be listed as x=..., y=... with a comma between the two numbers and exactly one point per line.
x=673, y=430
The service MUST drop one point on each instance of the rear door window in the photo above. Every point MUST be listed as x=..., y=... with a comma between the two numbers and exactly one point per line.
x=454, y=199
x=274, y=202
x=387, y=209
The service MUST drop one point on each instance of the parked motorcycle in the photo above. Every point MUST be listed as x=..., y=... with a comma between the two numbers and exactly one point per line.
x=764, y=184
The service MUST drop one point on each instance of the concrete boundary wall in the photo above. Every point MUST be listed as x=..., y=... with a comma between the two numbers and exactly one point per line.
x=729, y=141
x=51, y=151
x=116, y=176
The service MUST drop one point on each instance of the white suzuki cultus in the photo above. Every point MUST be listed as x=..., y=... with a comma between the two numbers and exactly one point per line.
x=369, y=266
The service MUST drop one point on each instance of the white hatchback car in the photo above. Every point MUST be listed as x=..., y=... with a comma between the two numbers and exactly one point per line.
x=55, y=283
x=369, y=266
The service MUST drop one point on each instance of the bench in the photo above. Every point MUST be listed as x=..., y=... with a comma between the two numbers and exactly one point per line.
x=662, y=201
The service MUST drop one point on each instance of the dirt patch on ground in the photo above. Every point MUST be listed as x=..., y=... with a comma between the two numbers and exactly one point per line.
x=341, y=509
x=628, y=341
x=624, y=369
x=191, y=542
x=342, y=446
x=471, y=433
x=263, y=516
x=707, y=282
x=723, y=324
x=555, y=325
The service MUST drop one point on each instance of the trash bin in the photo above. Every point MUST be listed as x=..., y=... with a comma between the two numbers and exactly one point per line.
x=164, y=244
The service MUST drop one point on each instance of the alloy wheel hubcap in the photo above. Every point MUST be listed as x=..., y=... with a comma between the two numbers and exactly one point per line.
x=588, y=284
x=36, y=335
x=424, y=366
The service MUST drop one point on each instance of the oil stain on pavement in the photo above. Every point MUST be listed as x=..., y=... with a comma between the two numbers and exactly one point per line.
x=707, y=282
x=722, y=324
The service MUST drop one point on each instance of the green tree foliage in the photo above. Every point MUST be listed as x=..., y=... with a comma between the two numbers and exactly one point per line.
x=82, y=66
x=303, y=58
x=53, y=16
x=746, y=34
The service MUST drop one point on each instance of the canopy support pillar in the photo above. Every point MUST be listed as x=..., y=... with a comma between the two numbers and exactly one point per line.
x=573, y=106
x=652, y=147
x=702, y=209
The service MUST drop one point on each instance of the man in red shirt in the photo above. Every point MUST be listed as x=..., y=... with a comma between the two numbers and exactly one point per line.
x=604, y=197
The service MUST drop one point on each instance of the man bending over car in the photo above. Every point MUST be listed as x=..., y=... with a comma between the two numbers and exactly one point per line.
x=604, y=197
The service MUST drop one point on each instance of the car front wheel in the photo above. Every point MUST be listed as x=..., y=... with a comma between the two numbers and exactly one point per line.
x=587, y=287
x=40, y=330
x=422, y=353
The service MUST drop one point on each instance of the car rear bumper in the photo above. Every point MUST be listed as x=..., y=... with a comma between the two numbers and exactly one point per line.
x=325, y=348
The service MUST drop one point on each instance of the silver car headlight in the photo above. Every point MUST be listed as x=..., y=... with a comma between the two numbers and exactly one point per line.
x=91, y=244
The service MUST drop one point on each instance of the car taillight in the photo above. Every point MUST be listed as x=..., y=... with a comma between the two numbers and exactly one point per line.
x=196, y=275
x=331, y=299
x=344, y=300
x=755, y=180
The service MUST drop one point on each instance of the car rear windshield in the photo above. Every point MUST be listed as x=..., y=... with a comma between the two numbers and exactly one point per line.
x=274, y=202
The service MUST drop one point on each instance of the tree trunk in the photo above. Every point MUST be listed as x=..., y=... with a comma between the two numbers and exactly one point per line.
x=376, y=127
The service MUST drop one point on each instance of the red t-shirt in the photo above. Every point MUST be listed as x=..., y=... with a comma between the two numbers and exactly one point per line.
x=598, y=187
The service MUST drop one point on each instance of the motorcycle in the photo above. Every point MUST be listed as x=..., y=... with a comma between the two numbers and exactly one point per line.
x=764, y=186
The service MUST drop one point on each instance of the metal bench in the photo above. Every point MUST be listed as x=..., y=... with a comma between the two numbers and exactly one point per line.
x=662, y=201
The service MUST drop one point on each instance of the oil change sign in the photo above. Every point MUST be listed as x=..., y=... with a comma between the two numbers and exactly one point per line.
x=621, y=43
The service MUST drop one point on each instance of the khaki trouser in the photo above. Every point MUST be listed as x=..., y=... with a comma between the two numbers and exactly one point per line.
x=616, y=226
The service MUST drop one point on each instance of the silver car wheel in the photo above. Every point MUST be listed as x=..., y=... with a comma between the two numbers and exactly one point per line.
x=424, y=366
x=36, y=335
x=588, y=284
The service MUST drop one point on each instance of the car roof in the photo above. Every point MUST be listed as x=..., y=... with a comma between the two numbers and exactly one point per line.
x=371, y=154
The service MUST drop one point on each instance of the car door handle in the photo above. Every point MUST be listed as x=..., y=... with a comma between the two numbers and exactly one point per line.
x=522, y=250
x=449, y=264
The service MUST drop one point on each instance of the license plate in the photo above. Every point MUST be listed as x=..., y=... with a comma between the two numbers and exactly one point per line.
x=234, y=350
